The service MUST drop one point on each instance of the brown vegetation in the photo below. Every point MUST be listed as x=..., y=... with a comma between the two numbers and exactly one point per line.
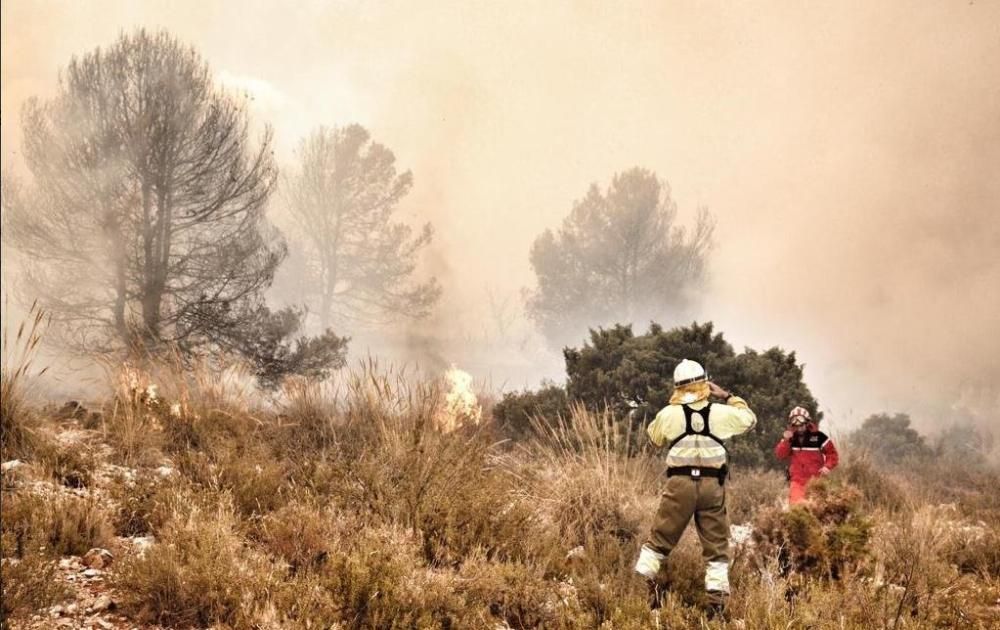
x=350, y=507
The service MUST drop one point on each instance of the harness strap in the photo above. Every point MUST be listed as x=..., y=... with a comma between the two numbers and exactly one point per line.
x=706, y=429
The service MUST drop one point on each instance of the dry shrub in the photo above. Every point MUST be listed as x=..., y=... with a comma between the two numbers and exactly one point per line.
x=143, y=502
x=515, y=593
x=480, y=515
x=968, y=546
x=254, y=482
x=71, y=465
x=749, y=491
x=30, y=585
x=199, y=573
x=595, y=494
x=878, y=488
x=915, y=556
x=968, y=485
x=761, y=601
x=299, y=534
x=18, y=422
x=257, y=482
x=979, y=551
x=822, y=537
x=684, y=571
x=373, y=578
x=177, y=407
x=57, y=524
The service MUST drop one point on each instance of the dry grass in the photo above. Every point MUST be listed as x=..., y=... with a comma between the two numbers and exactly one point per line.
x=29, y=584
x=350, y=507
x=17, y=417
x=53, y=525
x=145, y=501
x=70, y=465
x=199, y=573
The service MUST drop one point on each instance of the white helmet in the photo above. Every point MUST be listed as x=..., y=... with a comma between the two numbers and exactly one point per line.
x=687, y=372
x=799, y=416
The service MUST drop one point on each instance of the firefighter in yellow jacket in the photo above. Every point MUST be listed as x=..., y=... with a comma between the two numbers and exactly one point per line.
x=692, y=428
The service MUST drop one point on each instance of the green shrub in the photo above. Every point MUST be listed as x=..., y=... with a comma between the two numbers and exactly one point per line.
x=633, y=374
x=822, y=537
x=514, y=413
x=890, y=439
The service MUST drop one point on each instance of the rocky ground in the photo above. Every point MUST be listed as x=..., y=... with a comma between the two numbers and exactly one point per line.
x=92, y=601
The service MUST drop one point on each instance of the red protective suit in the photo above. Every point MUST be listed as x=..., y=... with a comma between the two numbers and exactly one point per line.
x=810, y=451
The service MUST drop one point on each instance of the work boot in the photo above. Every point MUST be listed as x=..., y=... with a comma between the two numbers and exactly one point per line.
x=655, y=594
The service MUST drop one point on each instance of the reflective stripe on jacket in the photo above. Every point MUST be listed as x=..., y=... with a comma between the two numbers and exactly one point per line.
x=809, y=451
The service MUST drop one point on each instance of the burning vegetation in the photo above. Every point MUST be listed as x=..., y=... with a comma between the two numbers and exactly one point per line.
x=231, y=471
x=185, y=499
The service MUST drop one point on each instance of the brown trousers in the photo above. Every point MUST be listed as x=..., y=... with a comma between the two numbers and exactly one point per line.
x=705, y=500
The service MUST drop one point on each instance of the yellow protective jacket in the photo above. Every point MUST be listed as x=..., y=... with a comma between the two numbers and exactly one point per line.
x=724, y=421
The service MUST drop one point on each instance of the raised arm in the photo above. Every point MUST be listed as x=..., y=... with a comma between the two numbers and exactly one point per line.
x=732, y=418
x=784, y=448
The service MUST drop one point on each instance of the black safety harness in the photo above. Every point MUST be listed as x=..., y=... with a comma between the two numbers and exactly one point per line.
x=697, y=472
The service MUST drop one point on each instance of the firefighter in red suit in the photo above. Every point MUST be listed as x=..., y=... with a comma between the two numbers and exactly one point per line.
x=811, y=451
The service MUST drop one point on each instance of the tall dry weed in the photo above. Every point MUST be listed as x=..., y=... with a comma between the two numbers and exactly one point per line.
x=586, y=478
x=132, y=424
x=19, y=352
x=308, y=414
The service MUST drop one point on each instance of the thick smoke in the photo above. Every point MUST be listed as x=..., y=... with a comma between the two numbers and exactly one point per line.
x=851, y=154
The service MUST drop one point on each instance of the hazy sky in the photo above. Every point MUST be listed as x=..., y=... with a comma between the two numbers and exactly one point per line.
x=850, y=151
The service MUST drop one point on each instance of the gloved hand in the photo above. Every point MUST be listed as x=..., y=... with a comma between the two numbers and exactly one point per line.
x=717, y=391
x=787, y=434
x=824, y=471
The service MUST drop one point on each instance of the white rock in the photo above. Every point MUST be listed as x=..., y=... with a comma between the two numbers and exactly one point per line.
x=740, y=534
x=11, y=465
x=101, y=603
x=576, y=552
x=142, y=544
x=98, y=558
x=91, y=573
x=165, y=471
